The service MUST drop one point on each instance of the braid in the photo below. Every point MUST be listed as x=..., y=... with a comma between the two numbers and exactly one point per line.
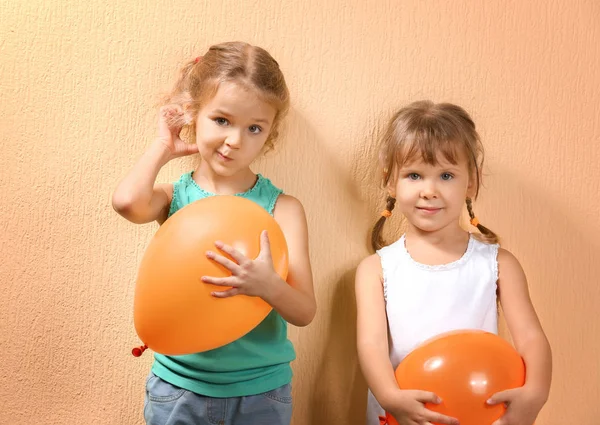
x=376, y=239
x=488, y=235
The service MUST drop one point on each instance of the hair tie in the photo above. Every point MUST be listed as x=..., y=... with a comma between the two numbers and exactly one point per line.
x=474, y=222
x=386, y=213
x=197, y=59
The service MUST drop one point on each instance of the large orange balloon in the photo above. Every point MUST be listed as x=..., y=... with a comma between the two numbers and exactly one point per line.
x=174, y=312
x=464, y=368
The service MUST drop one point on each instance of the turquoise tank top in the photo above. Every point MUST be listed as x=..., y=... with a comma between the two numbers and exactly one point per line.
x=256, y=363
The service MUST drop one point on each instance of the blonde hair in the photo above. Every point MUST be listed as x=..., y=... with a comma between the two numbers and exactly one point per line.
x=426, y=130
x=249, y=66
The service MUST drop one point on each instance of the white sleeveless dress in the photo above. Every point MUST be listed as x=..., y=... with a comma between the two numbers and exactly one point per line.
x=423, y=301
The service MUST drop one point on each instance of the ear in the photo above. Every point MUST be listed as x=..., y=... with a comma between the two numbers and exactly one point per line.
x=471, y=189
x=189, y=115
x=390, y=173
x=391, y=185
x=472, y=186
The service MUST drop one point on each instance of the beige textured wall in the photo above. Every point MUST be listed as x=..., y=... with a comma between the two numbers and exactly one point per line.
x=77, y=85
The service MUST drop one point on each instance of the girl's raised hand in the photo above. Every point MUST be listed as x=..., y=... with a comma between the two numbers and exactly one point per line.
x=171, y=119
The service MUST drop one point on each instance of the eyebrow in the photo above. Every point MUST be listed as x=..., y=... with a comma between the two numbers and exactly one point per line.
x=258, y=120
x=453, y=169
x=415, y=169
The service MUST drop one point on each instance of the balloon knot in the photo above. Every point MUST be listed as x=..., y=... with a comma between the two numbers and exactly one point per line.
x=138, y=351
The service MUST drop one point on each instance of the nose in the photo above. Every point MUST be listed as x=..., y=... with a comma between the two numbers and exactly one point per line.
x=234, y=139
x=428, y=190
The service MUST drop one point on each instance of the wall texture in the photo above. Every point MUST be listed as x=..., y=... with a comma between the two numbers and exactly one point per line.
x=78, y=85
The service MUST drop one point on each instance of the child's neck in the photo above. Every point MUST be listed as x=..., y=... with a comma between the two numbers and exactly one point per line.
x=240, y=182
x=434, y=248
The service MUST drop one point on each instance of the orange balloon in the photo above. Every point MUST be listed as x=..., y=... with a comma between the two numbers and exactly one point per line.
x=464, y=368
x=174, y=311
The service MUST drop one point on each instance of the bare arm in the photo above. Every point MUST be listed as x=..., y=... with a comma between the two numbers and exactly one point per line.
x=524, y=325
x=372, y=332
x=137, y=198
x=407, y=406
x=294, y=300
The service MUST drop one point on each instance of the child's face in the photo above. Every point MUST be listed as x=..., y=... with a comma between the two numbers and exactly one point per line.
x=431, y=197
x=232, y=128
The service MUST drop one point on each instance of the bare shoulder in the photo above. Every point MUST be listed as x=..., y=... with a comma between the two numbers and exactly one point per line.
x=507, y=257
x=370, y=294
x=369, y=269
x=288, y=205
x=508, y=263
x=511, y=276
x=289, y=214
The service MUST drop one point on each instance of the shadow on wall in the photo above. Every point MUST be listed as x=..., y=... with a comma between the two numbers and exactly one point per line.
x=340, y=393
x=303, y=166
x=367, y=173
x=327, y=381
x=560, y=257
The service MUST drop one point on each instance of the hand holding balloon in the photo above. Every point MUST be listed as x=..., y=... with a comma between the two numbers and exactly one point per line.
x=408, y=407
x=466, y=368
x=522, y=406
x=248, y=277
x=174, y=312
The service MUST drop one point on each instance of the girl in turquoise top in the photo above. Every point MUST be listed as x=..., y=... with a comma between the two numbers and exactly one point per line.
x=230, y=102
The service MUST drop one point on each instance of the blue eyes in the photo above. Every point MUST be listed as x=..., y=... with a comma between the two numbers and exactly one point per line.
x=415, y=176
x=223, y=122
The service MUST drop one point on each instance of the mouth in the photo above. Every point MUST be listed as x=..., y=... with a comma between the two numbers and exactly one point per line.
x=429, y=210
x=223, y=157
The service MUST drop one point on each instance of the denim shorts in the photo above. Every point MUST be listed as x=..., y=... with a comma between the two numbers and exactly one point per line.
x=166, y=404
